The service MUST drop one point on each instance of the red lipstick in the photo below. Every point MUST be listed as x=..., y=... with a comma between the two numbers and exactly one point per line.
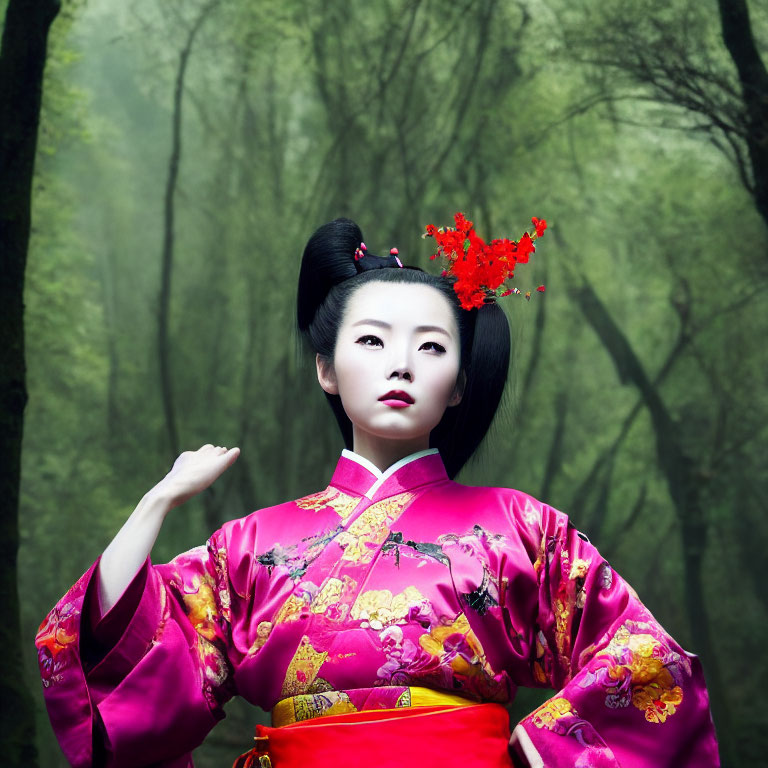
x=397, y=399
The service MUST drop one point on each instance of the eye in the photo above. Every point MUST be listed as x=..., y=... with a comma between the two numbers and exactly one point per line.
x=433, y=346
x=369, y=340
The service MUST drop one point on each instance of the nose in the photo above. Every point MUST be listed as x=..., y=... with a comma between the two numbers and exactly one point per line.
x=401, y=372
x=399, y=363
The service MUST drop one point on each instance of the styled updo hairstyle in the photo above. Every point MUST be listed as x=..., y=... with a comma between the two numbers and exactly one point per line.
x=329, y=276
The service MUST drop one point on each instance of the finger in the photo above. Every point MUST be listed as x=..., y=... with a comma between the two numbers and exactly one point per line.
x=207, y=445
x=231, y=456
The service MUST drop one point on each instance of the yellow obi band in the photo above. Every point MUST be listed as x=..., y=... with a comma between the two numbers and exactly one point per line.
x=308, y=706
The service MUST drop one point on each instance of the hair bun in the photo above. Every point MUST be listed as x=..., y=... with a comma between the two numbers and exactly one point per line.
x=329, y=259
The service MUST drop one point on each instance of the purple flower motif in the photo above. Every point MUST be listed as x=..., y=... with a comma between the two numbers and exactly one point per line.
x=618, y=700
x=421, y=613
x=46, y=664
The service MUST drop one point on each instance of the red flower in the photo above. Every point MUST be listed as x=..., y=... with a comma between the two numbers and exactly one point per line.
x=525, y=248
x=480, y=268
x=541, y=289
x=461, y=222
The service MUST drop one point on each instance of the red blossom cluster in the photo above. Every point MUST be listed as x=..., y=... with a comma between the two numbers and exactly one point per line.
x=481, y=270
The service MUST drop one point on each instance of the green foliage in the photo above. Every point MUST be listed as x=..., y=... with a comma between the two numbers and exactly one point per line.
x=396, y=114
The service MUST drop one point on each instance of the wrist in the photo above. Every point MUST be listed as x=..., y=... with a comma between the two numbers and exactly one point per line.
x=158, y=501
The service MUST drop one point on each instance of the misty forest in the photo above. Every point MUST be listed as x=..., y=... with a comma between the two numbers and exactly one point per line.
x=185, y=151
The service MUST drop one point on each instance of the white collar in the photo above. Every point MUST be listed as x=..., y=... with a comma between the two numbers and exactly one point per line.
x=380, y=476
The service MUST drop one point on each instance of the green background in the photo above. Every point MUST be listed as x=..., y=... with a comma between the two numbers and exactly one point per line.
x=397, y=114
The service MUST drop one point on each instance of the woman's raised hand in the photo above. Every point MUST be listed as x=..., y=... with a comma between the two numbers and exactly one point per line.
x=194, y=471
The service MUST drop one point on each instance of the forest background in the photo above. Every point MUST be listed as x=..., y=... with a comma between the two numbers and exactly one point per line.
x=188, y=149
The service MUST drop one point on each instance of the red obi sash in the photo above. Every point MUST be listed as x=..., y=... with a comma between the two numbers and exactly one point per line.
x=468, y=735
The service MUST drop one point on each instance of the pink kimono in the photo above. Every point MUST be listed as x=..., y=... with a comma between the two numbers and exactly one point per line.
x=348, y=599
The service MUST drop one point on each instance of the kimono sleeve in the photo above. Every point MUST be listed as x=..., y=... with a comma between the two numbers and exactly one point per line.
x=628, y=695
x=156, y=691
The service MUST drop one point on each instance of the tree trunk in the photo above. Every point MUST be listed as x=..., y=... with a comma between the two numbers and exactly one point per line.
x=22, y=62
x=753, y=76
x=166, y=387
x=683, y=482
x=110, y=323
x=555, y=457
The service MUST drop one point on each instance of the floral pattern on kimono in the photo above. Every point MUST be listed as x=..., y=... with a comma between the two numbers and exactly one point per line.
x=382, y=585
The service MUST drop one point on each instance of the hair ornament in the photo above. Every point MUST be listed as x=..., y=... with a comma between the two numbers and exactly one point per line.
x=481, y=271
x=366, y=261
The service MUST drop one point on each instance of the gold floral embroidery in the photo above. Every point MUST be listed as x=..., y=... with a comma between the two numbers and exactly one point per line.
x=164, y=616
x=212, y=661
x=319, y=685
x=434, y=644
x=562, y=621
x=639, y=668
x=641, y=655
x=579, y=569
x=551, y=711
x=577, y=575
x=303, y=669
x=342, y=504
x=334, y=597
x=262, y=634
x=291, y=609
x=369, y=531
x=222, y=589
x=570, y=598
x=355, y=548
x=328, y=594
x=380, y=514
x=380, y=607
x=657, y=701
x=201, y=607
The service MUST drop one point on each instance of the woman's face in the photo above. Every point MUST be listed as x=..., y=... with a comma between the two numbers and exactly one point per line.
x=396, y=363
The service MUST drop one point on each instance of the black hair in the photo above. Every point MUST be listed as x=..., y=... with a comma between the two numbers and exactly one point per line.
x=330, y=274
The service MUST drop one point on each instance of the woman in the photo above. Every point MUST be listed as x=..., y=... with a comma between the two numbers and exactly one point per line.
x=385, y=619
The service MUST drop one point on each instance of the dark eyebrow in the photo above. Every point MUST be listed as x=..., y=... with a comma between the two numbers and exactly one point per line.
x=432, y=329
x=419, y=329
x=379, y=323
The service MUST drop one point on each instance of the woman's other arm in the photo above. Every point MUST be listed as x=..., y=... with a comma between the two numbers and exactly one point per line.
x=628, y=693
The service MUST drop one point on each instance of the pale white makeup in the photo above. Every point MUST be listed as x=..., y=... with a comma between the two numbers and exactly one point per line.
x=401, y=340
